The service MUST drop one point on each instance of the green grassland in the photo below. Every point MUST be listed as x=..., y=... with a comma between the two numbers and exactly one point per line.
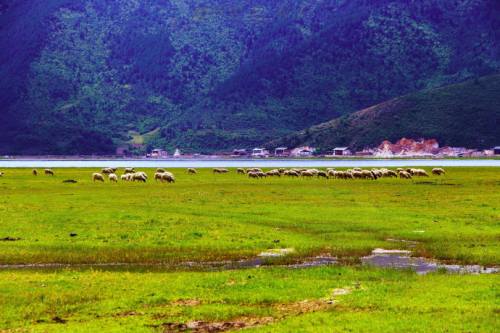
x=207, y=217
x=214, y=217
x=279, y=299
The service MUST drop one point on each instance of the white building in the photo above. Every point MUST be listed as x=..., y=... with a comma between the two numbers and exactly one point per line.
x=341, y=151
x=158, y=153
x=302, y=151
x=260, y=152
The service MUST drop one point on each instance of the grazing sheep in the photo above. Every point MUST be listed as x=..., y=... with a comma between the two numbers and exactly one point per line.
x=108, y=171
x=291, y=173
x=322, y=174
x=97, y=177
x=191, y=171
x=220, y=170
x=167, y=177
x=344, y=174
x=357, y=169
x=158, y=176
x=257, y=174
x=273, y=173
x=126, y=177
x=160, y=170
x=1, y=174
x=438, y=171
x=337, y=174
x=404, y=175
x=113, y=178
x=313, y=171
x=240, y=171
x=48, y=172
x=357, y=174
x=307, y=173
x=142, y=174
x=139, y=176
x=419, y=173
x=390, y=174
x=378, y=173
x=399, y=169
x=366, y=174
x=34, y=172
x=129, y=170
x=331, y=173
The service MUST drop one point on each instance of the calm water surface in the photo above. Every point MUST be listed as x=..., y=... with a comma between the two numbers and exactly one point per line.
x=243, y=163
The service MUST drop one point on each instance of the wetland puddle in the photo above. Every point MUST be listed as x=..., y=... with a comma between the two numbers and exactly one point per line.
x=194, y=265
x=400, y=259
x=381, y=258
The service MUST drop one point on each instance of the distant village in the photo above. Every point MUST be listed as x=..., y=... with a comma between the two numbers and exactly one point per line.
x=403, y=148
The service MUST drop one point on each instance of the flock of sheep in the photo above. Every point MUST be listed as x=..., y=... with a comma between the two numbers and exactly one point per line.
x=130, y=175
x=355, y=173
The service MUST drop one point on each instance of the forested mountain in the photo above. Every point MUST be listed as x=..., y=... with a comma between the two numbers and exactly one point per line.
x=79, y=76
x=465, y=114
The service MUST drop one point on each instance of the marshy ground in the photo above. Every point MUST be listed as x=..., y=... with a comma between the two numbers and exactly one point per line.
x=133, y=257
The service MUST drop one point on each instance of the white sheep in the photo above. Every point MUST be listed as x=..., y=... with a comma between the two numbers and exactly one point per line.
x=97, y=177
x=126, y=177
x=129, y=170
x=168, y=177
x=113, y=178
x=158, y=176
x=139, y=176
x=438, y=171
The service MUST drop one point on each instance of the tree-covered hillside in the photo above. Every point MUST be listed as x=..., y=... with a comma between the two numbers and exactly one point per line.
x=465, y=114
x=79, y=76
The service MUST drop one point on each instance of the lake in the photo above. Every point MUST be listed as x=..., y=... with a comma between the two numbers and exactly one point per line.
x=245, y=163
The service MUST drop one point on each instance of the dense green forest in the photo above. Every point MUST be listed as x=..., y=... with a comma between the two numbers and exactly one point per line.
x=465, y=114
x=79, y=76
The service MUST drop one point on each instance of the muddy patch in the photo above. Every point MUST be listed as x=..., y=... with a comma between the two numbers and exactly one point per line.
x=283, y=311
x=186, y=302
x=10, y=239
x=401, y=259
x=129, y=314
x=189, y=265
x=435, y=183
x=390, y=252
x=59, y=320
x=211, y=327
x=408, y=243
x=315, y=262
x=273, y=253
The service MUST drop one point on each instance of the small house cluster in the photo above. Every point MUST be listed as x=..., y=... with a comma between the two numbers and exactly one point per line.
x=401, y=148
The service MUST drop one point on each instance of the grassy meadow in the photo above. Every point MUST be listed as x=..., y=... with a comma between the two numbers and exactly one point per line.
x=207, y=217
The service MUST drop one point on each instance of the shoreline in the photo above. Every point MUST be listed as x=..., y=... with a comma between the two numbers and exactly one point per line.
x=229, y=158
x=244, y=163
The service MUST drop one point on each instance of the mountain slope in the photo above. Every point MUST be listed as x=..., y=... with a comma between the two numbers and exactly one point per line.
x=466, y=114
x=79, y=76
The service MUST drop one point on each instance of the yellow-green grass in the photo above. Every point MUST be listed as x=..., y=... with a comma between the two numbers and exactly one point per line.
x=281, y=299
x=213, y=217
